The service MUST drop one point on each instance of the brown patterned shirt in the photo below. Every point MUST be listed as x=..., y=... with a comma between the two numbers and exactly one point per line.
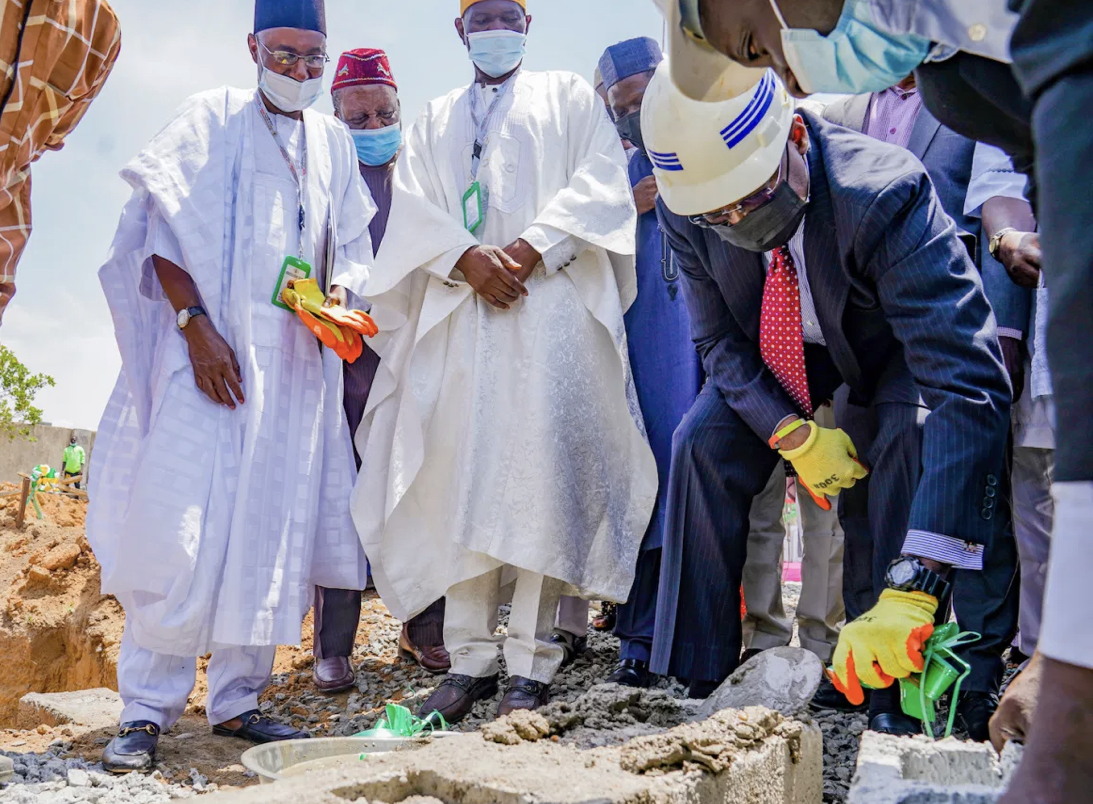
x=55, y=56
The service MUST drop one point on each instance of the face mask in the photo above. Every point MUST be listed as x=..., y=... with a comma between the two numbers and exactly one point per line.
x=855, y=58
x=288, y=94
x=769, y=227
x=497, y=52
x=377, y=146
x=630, y=129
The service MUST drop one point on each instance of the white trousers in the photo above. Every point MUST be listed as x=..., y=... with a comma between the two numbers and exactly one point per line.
x=156, y=687
x=820, y=609
x=1033, y=517
x=1065, y=634
x=470, y=623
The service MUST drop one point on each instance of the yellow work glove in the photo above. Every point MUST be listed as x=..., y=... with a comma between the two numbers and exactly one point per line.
x=313, y=300
x=883, y=644
x=826, y=463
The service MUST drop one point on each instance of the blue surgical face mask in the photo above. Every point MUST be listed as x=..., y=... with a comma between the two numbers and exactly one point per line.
x=377, y=146
x=497, y=52
x=857, y=57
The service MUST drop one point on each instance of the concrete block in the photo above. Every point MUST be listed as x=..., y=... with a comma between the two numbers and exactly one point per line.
x=783, y=767
x=95, y=709
x=912, y=770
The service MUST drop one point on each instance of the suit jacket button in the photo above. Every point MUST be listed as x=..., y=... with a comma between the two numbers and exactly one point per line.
x=992, y=480
x=986, y=513
x=990, y=491
x=988, y=503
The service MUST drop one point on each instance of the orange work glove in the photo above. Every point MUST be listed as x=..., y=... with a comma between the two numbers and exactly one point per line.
x=313, y=300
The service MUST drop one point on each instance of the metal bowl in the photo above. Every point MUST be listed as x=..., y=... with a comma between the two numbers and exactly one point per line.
x=272, y=760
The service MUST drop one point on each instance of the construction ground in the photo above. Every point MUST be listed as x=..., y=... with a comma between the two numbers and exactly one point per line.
x=59, y=634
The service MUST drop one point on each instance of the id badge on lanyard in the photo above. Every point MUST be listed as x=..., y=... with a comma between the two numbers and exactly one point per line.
x=475, y=200
x=293, y=267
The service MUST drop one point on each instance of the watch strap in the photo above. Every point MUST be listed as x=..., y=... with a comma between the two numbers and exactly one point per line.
x=996, y=240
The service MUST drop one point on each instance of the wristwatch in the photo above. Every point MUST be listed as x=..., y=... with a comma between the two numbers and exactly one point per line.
x=908, y=574
x=996, y=241
x=184, y=316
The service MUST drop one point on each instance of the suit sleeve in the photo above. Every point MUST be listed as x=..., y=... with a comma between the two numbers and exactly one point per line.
x=933, y=298
x=729, y=357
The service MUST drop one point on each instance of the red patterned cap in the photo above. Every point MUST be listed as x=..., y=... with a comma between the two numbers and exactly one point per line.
x=363, y=67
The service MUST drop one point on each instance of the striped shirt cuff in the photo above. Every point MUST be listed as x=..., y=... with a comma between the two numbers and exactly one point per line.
x=944, y=549
x=1010, y=332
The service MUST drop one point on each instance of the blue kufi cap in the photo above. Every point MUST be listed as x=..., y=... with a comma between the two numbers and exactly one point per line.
x=629, y=58
x=307, y=15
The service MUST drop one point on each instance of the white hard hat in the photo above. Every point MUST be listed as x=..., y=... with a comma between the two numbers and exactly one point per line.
x=700, y=72
x=707, y=155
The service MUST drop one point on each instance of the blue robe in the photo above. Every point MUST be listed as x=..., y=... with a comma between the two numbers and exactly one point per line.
x=666, y=366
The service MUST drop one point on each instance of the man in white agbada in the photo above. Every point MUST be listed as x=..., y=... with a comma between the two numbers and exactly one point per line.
x=503, y=436
x=224, y=464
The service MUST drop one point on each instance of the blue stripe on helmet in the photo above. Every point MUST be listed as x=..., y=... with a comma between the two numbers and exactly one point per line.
x=665, y=161
x=749, y=119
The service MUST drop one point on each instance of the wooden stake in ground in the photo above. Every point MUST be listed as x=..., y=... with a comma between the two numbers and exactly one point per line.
x=24, y=493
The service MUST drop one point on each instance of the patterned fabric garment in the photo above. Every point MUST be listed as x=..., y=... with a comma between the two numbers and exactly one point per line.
x=781, y=339
x=54, y=59
x=892, y=114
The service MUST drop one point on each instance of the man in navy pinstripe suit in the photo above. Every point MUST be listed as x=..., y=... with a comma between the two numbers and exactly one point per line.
x=883, y=297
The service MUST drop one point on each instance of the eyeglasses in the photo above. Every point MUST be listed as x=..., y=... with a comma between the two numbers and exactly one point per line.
x=736, y=213
x=286, y=58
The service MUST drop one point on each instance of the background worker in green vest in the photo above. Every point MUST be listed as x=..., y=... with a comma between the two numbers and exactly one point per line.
x=74, y=459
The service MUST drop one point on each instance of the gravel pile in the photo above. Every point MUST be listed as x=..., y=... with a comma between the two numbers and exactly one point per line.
x=50, y=778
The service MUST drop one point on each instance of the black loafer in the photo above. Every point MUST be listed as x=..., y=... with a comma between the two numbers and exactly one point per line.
x=829, y=699
x=632, y=673
x=895, y=723
x=973, y=714
x=133, y=749
x=573, y=646
x=259, y=730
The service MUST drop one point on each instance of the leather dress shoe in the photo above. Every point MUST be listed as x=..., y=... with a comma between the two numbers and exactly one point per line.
x=573, y=646
x=632, y=673
x=702, y=689
x=895, y=723
x=523, y=693
x=432, y=658
x=333, y=674
x=457, y=695
x=133, y=749
x=259, y=729
x=973, y=714
x=829, y=699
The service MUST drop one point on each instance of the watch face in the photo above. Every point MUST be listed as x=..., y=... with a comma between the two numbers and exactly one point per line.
x=183, y=319
x=902, y=573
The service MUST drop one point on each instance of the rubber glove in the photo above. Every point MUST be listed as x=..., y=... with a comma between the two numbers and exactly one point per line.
x=329, y=334
x=826, y=463
x=883, y=644
x=313, y=300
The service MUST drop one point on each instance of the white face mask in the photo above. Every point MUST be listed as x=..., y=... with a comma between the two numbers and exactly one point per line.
x=288, y=94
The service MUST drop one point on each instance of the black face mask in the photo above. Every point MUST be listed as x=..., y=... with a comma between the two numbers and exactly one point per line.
x=769, y=227
x=629, y=128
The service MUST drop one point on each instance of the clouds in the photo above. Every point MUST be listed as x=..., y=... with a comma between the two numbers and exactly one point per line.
x=59, y=322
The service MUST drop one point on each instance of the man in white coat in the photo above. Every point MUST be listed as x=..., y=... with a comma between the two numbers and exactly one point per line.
x=224, y=464
x=503, y=436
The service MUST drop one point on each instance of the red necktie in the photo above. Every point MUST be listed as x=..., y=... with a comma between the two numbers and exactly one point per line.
x=781, y=337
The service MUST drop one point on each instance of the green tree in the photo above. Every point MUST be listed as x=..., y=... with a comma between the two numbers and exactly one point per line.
x=17, y=390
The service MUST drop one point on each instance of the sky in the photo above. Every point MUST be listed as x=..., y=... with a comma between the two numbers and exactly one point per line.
x=59, y=322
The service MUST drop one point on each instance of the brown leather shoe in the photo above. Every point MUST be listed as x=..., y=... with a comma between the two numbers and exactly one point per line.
x=457, y=695
x=433, y=658
x=334, y=674
x=523, y=693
